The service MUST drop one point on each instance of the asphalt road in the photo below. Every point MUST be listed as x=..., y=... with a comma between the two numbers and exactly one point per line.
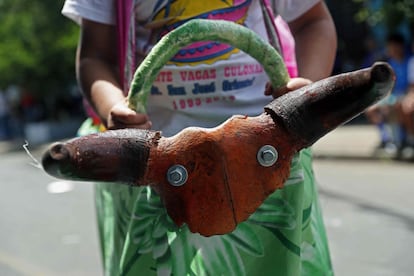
x=48, y=227
x=369, y=214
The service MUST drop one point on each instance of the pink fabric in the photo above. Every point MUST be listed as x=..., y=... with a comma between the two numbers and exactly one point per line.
x=123, y=20
x=286, y=40
x=287, y=43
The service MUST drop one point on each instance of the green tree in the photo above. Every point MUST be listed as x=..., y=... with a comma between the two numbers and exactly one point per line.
x=37, y=46
x=391, y=12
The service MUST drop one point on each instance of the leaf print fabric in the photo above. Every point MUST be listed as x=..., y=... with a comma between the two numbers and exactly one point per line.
x=285, y=236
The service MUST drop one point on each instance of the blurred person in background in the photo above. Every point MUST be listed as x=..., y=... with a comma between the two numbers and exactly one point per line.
x=405, y=110
x=5, y=132
x=373, y=52
x=406, y=114
x=383, y=114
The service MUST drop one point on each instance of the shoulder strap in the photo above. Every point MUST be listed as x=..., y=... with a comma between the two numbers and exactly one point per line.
x=124, y=23
x=279, y=36
x=270, y=25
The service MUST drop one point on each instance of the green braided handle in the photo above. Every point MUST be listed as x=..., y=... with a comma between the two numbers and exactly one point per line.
x=203, y=30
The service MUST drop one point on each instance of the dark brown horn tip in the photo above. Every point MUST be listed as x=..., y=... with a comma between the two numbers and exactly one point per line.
x=382, y=72
x=52, y=159
x=58, y=152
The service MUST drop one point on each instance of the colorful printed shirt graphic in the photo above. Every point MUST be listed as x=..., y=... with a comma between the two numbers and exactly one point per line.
x=205, y=83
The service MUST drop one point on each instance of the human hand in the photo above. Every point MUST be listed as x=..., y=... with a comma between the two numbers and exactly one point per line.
x=293, y=84
x=121, y=116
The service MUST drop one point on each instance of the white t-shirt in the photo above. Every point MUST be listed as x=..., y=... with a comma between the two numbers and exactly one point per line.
x=206, y=82
x=102, y=10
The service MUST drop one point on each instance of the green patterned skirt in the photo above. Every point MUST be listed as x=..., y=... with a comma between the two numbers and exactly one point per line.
x=285, y=236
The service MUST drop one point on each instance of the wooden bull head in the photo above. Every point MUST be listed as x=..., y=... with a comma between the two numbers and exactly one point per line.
x=213, y=179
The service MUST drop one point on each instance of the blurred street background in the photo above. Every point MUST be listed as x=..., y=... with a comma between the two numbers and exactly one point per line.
x=47, y=227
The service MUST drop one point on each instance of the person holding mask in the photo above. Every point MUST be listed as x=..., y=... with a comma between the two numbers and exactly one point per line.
x=200, y=86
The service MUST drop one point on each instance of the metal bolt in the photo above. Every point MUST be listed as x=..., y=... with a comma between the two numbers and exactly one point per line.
x=177, y=175
x=267, y=156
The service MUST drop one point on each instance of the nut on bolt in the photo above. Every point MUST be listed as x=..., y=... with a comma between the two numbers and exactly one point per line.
x=177, y=175
x=267, y=156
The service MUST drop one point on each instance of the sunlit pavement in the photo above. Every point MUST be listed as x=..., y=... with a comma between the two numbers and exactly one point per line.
x=367, y=203
x=368, y=212
x=46, y=227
